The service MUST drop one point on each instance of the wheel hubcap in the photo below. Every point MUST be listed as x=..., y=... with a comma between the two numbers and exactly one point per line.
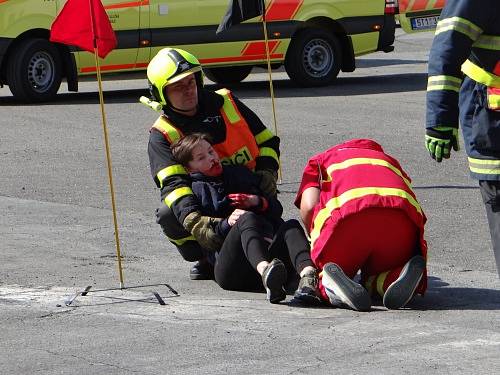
x=41, y=71
x=318, y=58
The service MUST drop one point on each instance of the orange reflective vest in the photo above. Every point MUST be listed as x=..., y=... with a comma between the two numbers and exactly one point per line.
x=354, y=176
x=239, y=147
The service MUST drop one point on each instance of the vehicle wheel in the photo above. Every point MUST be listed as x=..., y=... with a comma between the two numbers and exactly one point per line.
x=34, y=71
x=229, y=74
x=313, y=58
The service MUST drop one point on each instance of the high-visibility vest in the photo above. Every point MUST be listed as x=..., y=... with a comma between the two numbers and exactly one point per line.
x=239, y=147
x=357, y=175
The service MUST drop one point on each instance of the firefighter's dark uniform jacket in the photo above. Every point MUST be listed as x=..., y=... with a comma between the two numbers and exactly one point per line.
x=173, y=179
x=212, y=194
x=464, y=76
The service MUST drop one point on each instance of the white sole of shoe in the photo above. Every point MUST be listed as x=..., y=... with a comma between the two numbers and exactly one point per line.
x=348, y=291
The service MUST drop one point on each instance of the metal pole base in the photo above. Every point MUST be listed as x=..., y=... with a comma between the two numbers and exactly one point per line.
x=87, y=290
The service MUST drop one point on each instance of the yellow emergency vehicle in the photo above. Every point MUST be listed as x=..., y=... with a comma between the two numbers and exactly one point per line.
x=313, y=39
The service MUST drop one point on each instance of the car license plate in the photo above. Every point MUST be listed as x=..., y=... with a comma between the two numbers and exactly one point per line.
x=422, y=23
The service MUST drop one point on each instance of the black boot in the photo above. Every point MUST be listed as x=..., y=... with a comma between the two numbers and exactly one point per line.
x=202, y=270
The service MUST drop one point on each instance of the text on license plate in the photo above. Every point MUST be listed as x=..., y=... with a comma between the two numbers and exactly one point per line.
x=424, y=22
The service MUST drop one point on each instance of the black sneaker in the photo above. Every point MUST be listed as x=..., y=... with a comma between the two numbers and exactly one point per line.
x=400, y=292
x=307, y=291
x=340, y=288
x=202, y=270
x=273, y=279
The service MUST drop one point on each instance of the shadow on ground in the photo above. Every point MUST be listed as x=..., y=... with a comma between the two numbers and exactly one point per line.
x=283, y=88
x=441, y=296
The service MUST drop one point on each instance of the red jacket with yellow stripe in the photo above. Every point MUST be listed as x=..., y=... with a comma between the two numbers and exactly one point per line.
x=354, y=176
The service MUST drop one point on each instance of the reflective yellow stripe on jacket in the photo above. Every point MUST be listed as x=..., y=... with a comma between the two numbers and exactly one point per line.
x=177, y=194
x=480, y=75
x=443, y=82
x=264, y=136
x=491, y=42
x=181, y=241
x=364, y=161
x=172, y=170
x=268, y=151
x=337, y=202
x=482, y=166
x=461, y=25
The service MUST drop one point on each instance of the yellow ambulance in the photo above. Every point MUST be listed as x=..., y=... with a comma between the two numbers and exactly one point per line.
x=313, y=39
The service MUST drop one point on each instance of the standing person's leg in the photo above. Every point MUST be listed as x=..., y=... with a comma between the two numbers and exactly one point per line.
x=395, y=267
x=490, y=191
x=290, y=244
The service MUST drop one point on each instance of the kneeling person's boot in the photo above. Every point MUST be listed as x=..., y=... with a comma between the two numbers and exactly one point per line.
x=340, y=289
x=400, y=292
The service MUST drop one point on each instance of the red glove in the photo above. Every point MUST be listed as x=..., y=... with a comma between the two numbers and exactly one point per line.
x=243, y=201
x=246, y=201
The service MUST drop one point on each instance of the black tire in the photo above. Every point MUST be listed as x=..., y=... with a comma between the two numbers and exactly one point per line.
x=313, y=58
x=34, y=71
x=229, y=74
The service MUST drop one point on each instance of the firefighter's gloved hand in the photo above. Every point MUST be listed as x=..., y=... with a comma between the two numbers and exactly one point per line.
x=268, y=181
x=203, y=230
x=440, y=140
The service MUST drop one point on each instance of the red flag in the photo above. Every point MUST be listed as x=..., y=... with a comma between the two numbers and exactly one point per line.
x=80, y=23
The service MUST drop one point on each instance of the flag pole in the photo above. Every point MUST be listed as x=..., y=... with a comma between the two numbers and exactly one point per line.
x=271, y=88
x=108, y=154
x=110, y=174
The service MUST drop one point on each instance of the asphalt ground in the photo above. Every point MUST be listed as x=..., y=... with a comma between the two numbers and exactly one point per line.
x=56, y=238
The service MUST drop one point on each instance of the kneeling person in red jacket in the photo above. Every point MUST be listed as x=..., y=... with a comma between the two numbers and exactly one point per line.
x=362, y=214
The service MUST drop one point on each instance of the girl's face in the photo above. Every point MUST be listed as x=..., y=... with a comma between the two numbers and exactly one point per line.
x=205, y=160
